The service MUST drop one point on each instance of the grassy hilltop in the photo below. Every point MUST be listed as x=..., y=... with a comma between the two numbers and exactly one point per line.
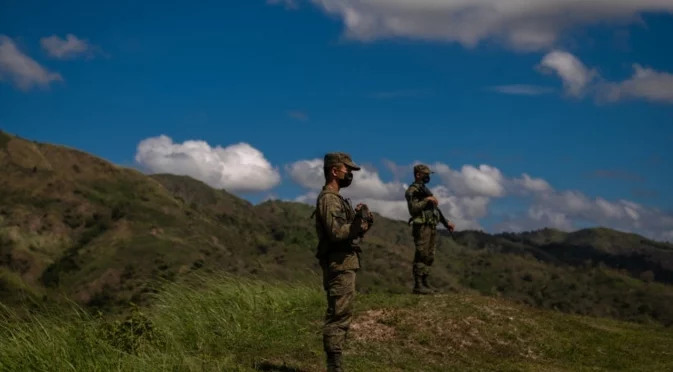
x=231, y=324
x=77, y=232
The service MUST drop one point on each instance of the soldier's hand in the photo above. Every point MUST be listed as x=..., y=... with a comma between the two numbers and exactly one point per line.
x=433, y=200
x=450, y=226
x=364, y=226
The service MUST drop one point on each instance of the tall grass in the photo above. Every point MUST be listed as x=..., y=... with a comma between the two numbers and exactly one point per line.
x=214, y=324
x=222, y=323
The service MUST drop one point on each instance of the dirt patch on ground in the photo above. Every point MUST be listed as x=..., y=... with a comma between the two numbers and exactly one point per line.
x=436, y=330
x=369, y=326
x=111, y=278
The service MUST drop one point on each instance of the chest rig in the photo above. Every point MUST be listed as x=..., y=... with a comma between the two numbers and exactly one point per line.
x=325, y=246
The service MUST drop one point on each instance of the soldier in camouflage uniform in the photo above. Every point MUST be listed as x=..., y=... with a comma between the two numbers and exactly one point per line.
x=424, y=217
x=338, y=253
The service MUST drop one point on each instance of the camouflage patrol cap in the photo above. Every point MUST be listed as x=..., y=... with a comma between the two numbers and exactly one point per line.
x=336, y=158
x=422, y=168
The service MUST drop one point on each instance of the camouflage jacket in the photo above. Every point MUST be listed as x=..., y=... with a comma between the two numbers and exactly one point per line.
x=421, y=210
x=336, y=232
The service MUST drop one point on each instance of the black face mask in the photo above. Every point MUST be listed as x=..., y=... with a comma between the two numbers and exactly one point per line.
x=346, y=181
x=426, y=179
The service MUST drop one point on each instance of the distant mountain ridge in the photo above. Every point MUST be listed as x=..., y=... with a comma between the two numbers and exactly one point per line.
x=74, y=224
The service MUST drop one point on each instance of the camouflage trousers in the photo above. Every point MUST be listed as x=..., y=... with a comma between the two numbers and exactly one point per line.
x=340, y=289
x=424, y=239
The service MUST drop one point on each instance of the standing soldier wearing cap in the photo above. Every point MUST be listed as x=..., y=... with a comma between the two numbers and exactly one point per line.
x=338, y=227
x=425, y=215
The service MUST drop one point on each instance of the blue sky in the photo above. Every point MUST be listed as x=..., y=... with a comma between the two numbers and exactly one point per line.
x=293, y=80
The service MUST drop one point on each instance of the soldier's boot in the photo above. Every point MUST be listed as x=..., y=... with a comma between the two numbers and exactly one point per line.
x=334, y=362
x=427, y=285
x=419, y=288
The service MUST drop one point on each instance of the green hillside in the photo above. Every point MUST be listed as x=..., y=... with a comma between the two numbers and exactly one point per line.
x=73, y=225
x=229, y=324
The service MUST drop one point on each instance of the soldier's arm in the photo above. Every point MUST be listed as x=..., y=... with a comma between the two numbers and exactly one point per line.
x=415, y=207
x=444, y=220
x=334, y=219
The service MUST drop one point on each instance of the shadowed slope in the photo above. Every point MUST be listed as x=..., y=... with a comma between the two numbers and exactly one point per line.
x=228, y=324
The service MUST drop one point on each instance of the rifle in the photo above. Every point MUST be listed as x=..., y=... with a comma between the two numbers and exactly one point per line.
x=423, y=193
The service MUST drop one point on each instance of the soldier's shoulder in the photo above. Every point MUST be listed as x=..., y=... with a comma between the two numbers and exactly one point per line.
x=413, y=187
x=329, y=197
x=324, y=192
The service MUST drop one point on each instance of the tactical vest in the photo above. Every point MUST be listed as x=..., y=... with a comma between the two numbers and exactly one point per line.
x=428, y=216
x=325, y=246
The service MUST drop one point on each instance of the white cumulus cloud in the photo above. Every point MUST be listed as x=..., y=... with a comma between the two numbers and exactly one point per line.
x=527, y=184
x=307, y=173
x=236, y=168
x=575, y=75
x=645, y=83
x=566, y=209
x=23, y=71
x=471, y=181
x=474, y=188
x=67, y=48
x=465, y=196
x=366, y=182
x=521, y=25
x=547, y=217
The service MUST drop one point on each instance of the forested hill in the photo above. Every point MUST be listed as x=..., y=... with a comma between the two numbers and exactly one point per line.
x=76, y=225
